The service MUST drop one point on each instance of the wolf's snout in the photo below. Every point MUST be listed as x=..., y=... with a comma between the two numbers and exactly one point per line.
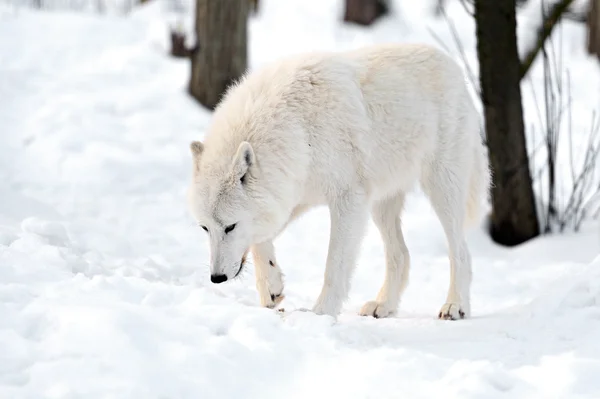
x=218, y=278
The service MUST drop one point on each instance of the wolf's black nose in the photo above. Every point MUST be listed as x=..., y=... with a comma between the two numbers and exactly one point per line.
x=218, y=278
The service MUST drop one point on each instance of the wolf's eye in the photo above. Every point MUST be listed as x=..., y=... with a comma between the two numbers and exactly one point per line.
x=230, y=228
x=204, y=228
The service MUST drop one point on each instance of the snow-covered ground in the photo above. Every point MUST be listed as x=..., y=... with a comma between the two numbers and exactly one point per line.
x=104, y=289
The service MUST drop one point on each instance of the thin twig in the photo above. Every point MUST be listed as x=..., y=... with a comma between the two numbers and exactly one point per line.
x=464, y=4
x=461, y=51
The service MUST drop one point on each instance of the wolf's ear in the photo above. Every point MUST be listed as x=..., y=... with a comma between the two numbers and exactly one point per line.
x=243, y=160
x=197, y=148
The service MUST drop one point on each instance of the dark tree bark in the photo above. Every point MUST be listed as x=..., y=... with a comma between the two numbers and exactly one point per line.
x=254, y=6
x=593, y=25
x=514, y=219
x=221, y=34
x=364, y=12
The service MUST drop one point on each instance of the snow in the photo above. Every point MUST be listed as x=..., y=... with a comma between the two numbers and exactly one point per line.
x=104, y=289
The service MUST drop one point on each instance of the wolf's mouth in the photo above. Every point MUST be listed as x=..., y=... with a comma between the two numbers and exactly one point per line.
x=240, y=269
x=242, y=262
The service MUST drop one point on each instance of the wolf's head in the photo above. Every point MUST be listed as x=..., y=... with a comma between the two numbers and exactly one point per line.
x=227, y=201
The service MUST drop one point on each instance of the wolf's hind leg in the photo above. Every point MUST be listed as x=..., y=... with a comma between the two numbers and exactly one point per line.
x=447, y=191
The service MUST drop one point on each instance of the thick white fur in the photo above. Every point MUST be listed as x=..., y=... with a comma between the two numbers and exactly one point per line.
x=354, y=131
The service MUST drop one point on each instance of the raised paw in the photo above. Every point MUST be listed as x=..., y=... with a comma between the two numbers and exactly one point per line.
x=276, y=299
x=451, y=311
x=376, y=309
x=269, y=300
x=270, y=289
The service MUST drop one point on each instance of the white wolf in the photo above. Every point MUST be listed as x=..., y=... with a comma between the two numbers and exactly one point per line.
x=353, y=131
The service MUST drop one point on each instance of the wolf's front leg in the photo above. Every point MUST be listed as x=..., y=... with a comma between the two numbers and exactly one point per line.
x=349, y=215
x=269, y=279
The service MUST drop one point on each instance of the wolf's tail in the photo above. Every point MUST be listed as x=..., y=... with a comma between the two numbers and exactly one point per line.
x=479, y=184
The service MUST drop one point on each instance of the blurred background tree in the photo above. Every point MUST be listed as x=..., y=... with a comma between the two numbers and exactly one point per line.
x=220, y=55
x=514, y=218
x=365, y=12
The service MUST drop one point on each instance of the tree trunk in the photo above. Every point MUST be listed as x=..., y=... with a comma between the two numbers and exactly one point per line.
x=514, y=218
x=221, y=34
x=254, y=6
x=593, y=25
x=364, y=12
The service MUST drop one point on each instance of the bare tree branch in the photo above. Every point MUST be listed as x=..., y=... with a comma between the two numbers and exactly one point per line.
x=544, y=31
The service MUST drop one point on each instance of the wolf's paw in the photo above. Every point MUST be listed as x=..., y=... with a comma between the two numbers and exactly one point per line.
x=270, y=290
x=377, y=310
x=269, y=300
x=452, y=311
x=326, y=307
x=275, y=300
